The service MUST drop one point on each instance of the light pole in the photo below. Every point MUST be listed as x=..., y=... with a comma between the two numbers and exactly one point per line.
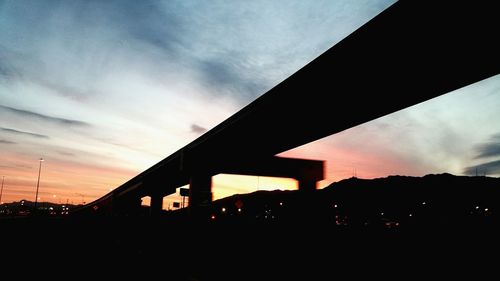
x=1, y=190
x=38, y=182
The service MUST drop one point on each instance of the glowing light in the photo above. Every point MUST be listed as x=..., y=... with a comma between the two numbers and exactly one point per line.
x=382, y=214
x=281, y=203
x=423, y=203
x=223, y=210
x=239, y=210
x=335, y=206
x=486, y=209
x=477, y=207
x=411, y=215
x=54, y=196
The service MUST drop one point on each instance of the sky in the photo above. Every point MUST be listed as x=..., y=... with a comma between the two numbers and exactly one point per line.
x=102, y=90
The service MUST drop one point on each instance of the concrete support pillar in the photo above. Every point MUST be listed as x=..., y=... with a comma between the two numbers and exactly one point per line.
x=129, y=206
x=156, y=204
x=307, y=184
x=200, y=191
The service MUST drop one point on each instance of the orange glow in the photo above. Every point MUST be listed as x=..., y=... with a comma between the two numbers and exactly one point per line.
x=344, y=161
x=78, y=182
x=224, y=185
x=146, y=201
x=60, y=181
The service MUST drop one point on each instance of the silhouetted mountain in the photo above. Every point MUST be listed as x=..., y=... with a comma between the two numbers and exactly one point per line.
x=393, y=201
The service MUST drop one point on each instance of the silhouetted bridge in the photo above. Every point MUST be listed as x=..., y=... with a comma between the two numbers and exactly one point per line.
x=411, y=52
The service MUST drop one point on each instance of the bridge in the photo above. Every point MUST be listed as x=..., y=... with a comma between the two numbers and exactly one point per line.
x=411, y=52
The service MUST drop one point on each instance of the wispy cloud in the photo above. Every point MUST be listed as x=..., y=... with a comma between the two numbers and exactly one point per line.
x=8, y=62
x=197, y=129
x=486, y=150
x=227, y=76
x=13, y=131
x=17, y=166
x=2, y=141
x=5, y=70
x=236, y=49
x=492, y=167
x=489, y=149
x=57, y=120
x=65, y=153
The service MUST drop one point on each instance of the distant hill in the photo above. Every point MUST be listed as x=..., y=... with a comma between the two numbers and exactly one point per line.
x=392, y=201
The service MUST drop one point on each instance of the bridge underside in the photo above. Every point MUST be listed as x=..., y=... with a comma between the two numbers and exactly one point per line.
x=411, y=52
x=306, y=172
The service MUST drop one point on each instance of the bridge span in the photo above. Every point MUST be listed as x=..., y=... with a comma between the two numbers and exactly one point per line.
x=411, y=52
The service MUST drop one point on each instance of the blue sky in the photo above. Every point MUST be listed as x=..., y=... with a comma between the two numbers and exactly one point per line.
x=105, y=89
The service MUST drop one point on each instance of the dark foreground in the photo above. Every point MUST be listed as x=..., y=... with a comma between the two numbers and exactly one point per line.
x=397, y=227
x=101, y=247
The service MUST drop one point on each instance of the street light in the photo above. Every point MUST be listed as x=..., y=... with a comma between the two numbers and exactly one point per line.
x=38, y=182
x=1, y=190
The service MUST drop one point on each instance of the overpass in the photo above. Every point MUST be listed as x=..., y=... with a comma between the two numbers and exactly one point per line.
x=126, y=201
x=411, y=52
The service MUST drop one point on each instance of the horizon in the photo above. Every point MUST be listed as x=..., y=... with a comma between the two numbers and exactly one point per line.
x=279, y=190
x=71, y=99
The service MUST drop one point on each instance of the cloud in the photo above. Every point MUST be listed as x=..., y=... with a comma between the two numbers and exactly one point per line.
x=17, y=166
x=489, y=149
x=197, y=129
x=56, y=120
x=5, y=70
x=492, y=167
x=9, y=60
x=236, y=50
x=2, y=141
x=156, y=25
x=13, y=131
x=65, y=90
x=225, y=75
x=65, y=153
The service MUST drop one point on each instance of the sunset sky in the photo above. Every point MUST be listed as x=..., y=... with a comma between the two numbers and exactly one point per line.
x=102, y=90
